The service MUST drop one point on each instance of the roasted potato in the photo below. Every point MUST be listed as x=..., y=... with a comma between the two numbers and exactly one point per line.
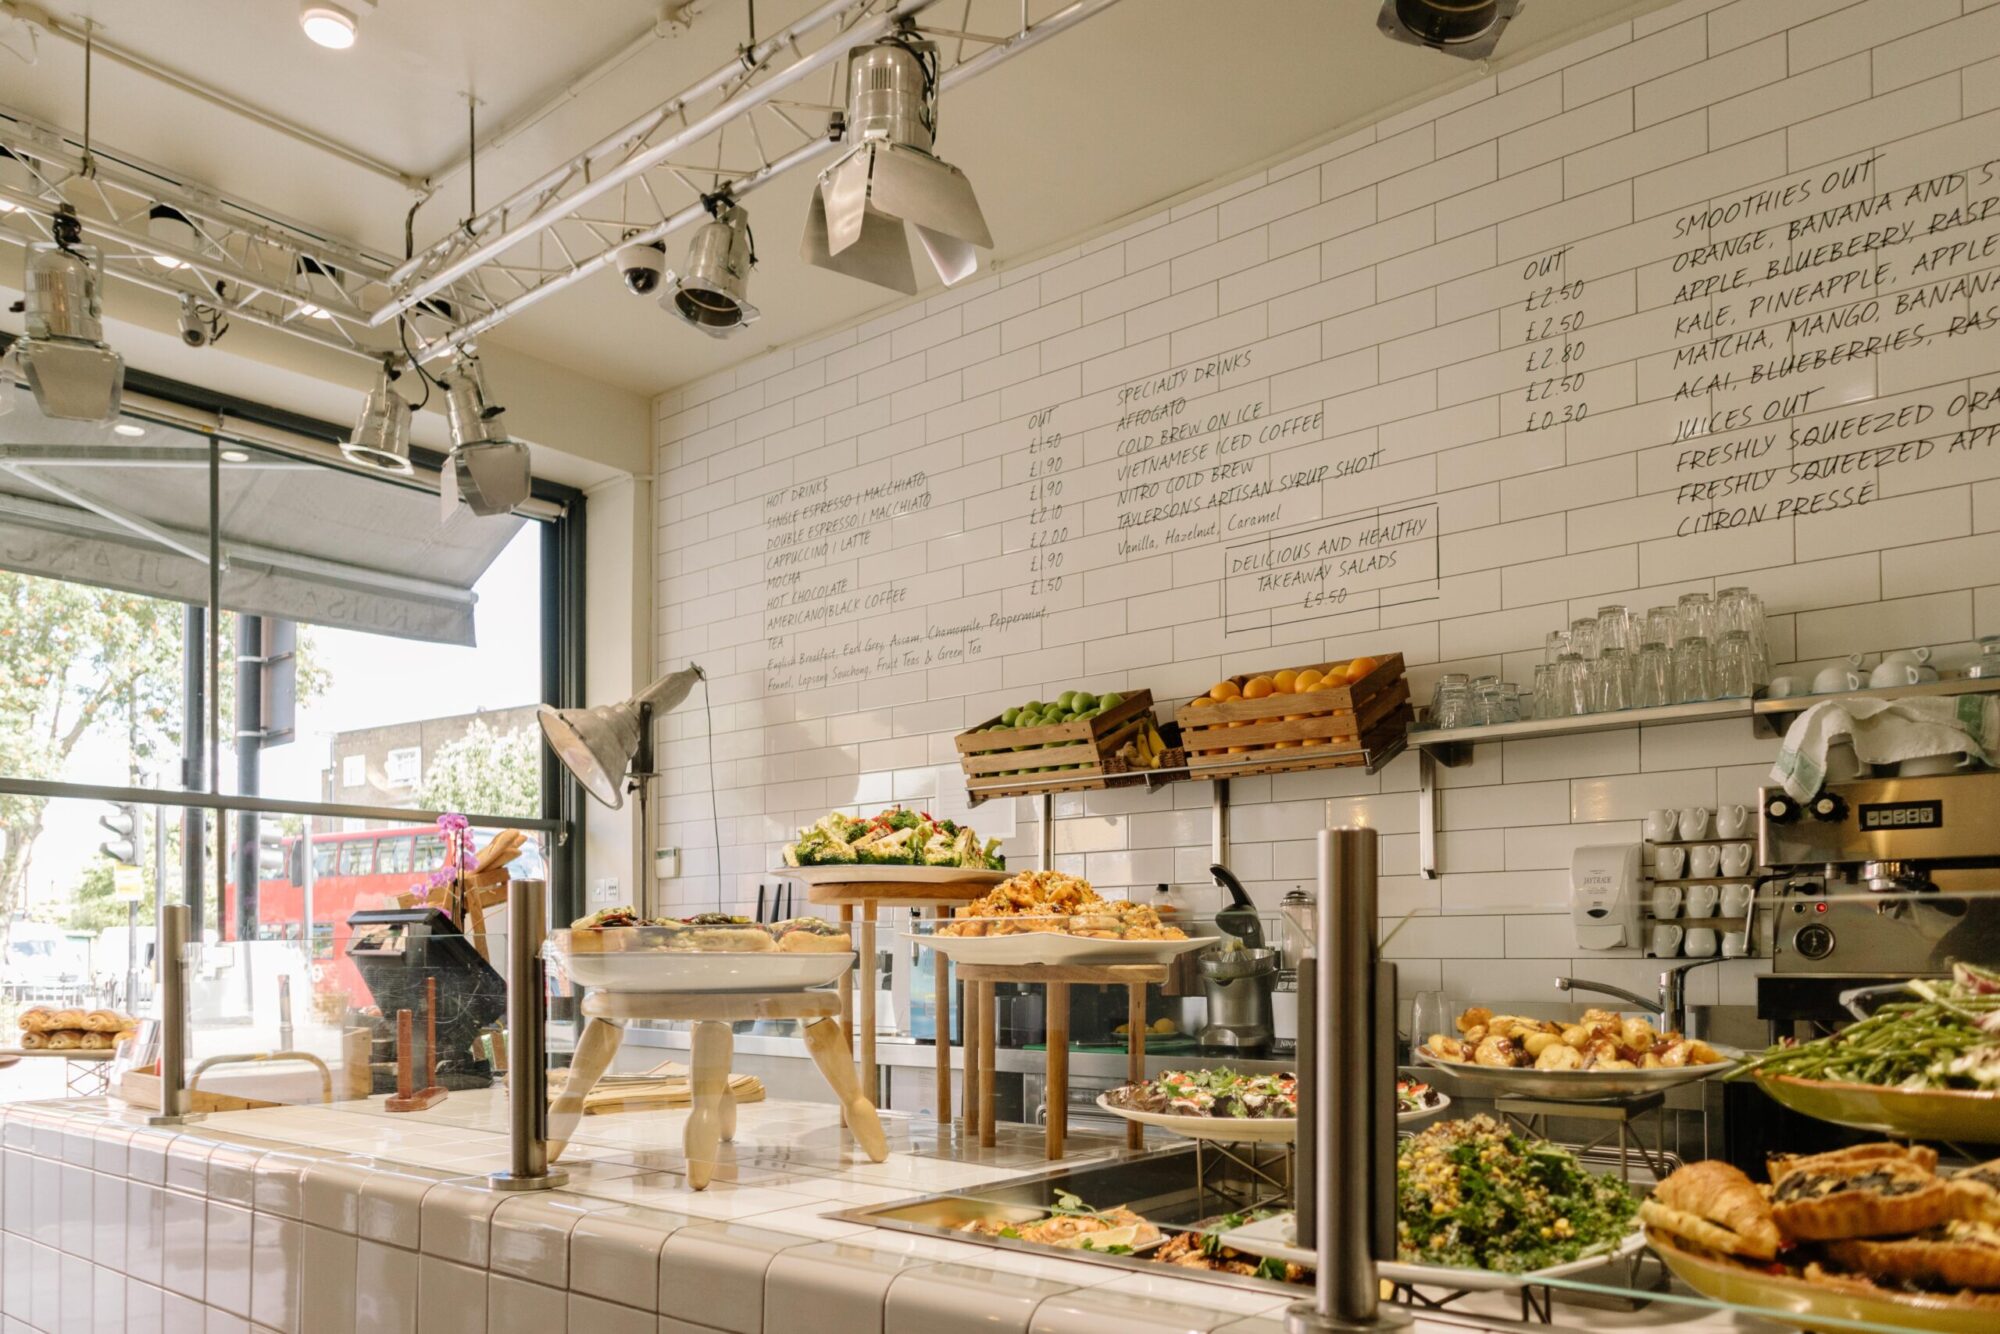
x=1476, y=1017
x=1537, y=1043
x=1445, y=1048
x=1496, y=1051
x=1558, y=1056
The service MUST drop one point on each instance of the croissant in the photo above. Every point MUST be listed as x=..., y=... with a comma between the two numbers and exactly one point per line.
x=36, y=1020
x=63, y=1040
x=103, y=1021
x=71, y=1019
x=1721, y=1196
x=34, y=1040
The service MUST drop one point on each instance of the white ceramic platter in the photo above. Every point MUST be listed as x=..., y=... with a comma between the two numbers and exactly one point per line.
x=855, y=874
x=1580, y=1085
x=1227, y=1129
x=1423, y=1113
x=1273, y=1236
x=1054, y=947
x=656, y=971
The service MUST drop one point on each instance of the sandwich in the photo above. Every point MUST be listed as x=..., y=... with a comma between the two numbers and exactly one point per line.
x=811, y=935
x=589, y=935
x=1713, y=1206
x=720, y=933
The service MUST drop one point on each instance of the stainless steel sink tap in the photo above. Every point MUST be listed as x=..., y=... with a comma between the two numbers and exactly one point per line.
x=1657, y=1004
x=1669, y=1004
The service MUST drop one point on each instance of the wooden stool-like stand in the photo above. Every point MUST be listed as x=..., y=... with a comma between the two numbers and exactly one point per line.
x=868, y=896
x=712, y=1118
x=980, y=1036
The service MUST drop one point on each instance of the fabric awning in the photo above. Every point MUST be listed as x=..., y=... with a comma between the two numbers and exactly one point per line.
x=299, y=540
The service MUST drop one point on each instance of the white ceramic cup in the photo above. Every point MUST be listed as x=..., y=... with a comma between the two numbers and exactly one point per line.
x=1923, y=765
x=1669, y=863
x=1736, y=899
x=1701, y=900
x=1736, y=859
x=1665, y=940
x=1666, y=901
x=1915, y=657
x=1834, y=680
x=1701, y=942
x=1662, y=824
x=1888, y=674
x=1732, y=821
x=1783, y=687
x=1735, y=945
x=1705, y=862
x=1694, y=822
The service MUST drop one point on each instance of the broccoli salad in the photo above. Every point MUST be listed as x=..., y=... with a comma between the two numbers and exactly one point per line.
x=896, y=837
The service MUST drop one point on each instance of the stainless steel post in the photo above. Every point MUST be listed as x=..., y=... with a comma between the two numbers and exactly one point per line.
x=172, y=933
x=527, y=1047
x=1047, y=802
x=1347, y=1296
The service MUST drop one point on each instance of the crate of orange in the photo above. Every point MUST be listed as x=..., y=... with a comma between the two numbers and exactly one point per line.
x=1315, y=716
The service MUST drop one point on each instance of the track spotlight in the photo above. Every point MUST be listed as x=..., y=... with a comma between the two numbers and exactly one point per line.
x=854, y=222
x=329, y=25
x=1465, y=28
x=170, y=227
x=486, y=470
x=713, y=291
x=381, y=438
x=63, y=356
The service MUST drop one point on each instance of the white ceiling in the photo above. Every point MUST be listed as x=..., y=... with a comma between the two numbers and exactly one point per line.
x=1148, y=100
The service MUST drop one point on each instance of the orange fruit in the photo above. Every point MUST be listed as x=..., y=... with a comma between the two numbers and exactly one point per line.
x=1201, y=702
x=1259, y=687
x=1286, y=681
x=1224, y=690
x=1286, y=745
x=1333, y=680
x=1360, y=667
x=1239, y=750
x=1307, y=680
x=1335, y=671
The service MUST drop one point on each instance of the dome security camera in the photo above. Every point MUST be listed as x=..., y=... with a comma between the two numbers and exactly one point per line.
x=642, y=264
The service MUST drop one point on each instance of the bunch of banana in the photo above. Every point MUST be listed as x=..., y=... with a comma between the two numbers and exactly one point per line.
x=1147, y=746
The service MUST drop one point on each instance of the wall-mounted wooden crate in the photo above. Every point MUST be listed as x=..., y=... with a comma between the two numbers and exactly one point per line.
x=1062, y=757
x=1320, y=729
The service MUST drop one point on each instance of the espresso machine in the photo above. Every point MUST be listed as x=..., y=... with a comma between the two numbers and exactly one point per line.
x=1874, y=882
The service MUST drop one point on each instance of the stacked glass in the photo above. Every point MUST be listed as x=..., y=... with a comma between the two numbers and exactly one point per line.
x=1616, y=671
x=1694, y=649
x=1742, y=658
x=1653, y=673
x=1451, y=702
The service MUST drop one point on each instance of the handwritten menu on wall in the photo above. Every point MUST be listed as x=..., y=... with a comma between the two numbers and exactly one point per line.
x=1712, y=297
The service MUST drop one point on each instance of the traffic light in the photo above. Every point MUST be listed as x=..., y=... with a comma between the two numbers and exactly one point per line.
x=123, y=822
x=271, y=859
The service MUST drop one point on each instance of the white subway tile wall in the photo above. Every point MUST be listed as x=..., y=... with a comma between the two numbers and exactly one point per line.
x=881, y=538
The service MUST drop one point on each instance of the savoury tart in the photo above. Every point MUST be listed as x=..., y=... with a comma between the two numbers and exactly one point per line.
x=1864, y=1197
x=1955, y=1254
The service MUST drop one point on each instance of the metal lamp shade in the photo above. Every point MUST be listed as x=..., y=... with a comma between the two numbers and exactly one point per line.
x=1448, y=22
x=381, y=437
x=597, y=745
x=854, y=221
x=712, y=292
x=63, y=358
x=489, y=472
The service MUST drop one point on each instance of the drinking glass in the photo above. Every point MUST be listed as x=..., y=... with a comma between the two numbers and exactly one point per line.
x=1738, y=609
x=1694, y=671
x=1554, y=645
x=1453, y=708
x=1496, y=701
x=1449, y=681
x=1735, y=667
x=1573, y=687
x=1653, y=677
x=1614, y=630
x=1662, y=626
x=1545, y=686
x=1430, y=1012
x=1696, y=617
x=1616, y=681
x=1583, y=637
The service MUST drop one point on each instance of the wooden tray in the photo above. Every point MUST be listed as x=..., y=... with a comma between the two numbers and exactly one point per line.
x=1321, y=729
x=995, y=768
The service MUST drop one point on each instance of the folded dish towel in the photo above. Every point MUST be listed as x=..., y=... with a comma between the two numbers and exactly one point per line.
x=1885, y=732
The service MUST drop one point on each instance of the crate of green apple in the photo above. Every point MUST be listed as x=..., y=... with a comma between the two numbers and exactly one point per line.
x=1074, y=741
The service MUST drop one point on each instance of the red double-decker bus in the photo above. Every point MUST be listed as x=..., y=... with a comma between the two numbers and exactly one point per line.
x=363, y=868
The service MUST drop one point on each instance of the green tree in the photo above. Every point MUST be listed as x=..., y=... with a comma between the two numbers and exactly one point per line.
x=485, y=772
x=92, y=905
x=74, y=658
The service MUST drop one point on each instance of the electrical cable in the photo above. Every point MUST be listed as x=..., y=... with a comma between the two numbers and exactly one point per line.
x=403, y=330
x=714, y=816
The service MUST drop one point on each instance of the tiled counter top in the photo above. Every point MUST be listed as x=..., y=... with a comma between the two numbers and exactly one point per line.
x=347, y=1220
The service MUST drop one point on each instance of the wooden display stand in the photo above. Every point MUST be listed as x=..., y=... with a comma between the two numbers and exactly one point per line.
x=409, y=1095
x=712, y=1117
x=867, y=896
x=980, y=1033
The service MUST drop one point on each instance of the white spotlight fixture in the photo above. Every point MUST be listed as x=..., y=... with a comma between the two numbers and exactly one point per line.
x=73, y=373
x=486, y=470
x=712, y=292
x=234, y=455
x=381, y=439
x=330, y=26
x=130, y=430
x=854, y=222
x=169, y=226
x=1469, y=29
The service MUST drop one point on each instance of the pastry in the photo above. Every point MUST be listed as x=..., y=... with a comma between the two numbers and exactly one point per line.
x=1715, y=1206
x=34, y=1040
x=1831, y=1198
x=1821, y=1277
x=811, y=935
x=1955, y=1254
x=1975, y=1193
x=91, y=1040
x=721, y=933
x=64, y=1039
x=70, y=1019
x=1780, y=1164
x=36, y=1020
x=594, y=934
x=103, y=1021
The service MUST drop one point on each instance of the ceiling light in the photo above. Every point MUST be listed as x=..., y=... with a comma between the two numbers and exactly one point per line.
x=130, y=430
x=854, y=222
x=234, y=456
x=381, y=438
x=486, y=469
x=330, y=26
x=170, y=227
x=1466, y=28
x=63, y=356
x=599, y=745
x=713, y=291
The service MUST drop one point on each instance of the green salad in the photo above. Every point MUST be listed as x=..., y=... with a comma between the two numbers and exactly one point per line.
x=1472, y=1194
x=896, y=837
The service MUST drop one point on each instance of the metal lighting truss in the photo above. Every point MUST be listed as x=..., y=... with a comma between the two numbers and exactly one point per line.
x=733, y=131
